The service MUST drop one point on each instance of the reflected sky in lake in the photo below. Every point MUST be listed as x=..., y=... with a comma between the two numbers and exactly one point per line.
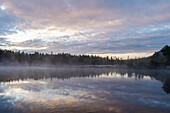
x=110, y=91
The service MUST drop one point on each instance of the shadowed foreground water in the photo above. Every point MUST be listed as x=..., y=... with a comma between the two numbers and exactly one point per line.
x=81, y=90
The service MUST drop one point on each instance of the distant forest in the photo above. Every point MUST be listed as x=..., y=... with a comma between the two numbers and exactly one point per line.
x=158, y=60
x=11, y=57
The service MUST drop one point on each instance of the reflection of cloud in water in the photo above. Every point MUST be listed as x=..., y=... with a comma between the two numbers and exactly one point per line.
x=110, y=92
x=23, y=92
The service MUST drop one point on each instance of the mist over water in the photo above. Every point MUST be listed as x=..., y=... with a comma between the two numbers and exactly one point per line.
x=73, y=89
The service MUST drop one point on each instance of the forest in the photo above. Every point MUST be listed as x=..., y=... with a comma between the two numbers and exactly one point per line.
x=14, y=58
x=159, y=59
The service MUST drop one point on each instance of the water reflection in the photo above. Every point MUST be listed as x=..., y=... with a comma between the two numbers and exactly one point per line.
x=166, y=86
x=83, y=90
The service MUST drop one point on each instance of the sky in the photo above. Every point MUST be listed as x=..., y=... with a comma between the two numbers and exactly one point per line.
x=135, y=28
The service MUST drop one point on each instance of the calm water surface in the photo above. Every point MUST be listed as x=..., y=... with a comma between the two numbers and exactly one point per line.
x=82, y=91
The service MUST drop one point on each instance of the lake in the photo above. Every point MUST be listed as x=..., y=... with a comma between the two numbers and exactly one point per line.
x=82, y=90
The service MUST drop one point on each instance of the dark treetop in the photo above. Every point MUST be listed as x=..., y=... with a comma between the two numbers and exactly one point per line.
x=160, y=59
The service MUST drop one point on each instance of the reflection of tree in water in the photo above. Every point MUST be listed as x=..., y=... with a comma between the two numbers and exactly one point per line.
x=61, y=73
x=166, y=86
x=67, y=73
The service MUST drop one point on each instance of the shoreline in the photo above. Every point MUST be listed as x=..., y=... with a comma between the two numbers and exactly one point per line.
x=113, y=67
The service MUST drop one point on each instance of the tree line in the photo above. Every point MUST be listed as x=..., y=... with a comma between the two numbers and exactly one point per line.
x=12, y=57
x=158, y=59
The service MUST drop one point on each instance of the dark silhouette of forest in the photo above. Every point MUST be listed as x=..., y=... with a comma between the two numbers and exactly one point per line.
x=14, y=58
x=159, y=59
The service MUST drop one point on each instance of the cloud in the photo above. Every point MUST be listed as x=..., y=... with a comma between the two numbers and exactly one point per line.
x=4, y=42
x=86, y=27
x=8, y=23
